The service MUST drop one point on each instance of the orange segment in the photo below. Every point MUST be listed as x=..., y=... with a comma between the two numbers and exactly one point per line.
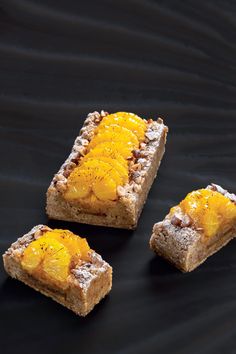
x=78, y=185
x=133, y=116
x=126, y=120
x=211, y=222
x=105, y=179
x=114, y=133
x=95, y=174
x=97, y=169
x=112, y=149
x=50, y=256
x=115, y=164
x=106, y=151
x=38, y=254
x=210, y=210
x=56, y=262
x=74, y=244
x=32, y=256
x=84, y=247
x=105, y=189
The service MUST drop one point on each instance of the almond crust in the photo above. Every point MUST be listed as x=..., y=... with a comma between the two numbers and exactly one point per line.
x=125, y=212
x=88, y=283
x=186, y=247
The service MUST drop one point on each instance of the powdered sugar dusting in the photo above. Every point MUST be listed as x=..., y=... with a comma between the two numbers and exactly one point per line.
x=88, y=271
x=185, y=237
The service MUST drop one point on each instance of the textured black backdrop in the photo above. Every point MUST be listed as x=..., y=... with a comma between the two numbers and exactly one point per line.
x=60, y=60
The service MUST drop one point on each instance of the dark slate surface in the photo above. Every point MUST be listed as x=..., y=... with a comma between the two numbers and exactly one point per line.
x=60, y=60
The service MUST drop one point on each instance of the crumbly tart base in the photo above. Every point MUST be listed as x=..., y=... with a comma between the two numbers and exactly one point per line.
x=87, y=283
x=123, y=213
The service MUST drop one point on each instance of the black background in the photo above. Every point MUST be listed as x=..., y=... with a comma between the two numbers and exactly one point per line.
x=60, y=60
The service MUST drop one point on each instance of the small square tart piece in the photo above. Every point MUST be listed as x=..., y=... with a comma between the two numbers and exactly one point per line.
x=89, y=279
x=186, y=238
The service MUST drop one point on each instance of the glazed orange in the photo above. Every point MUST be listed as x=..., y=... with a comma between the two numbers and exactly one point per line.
x=114, y=133
x=105, y=166
x=128, y=120
x=209, y=210
x=50, y=256
x=95, y=176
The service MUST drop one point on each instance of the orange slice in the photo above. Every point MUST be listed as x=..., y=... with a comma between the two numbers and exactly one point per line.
x=121, y=169
x=75, y=244
x=126, y=120
x=105, y=188
x=210, y=210
x=56, y=262
x=97, y=169
x=114, y=133
x=78, y=185
x=106, y=151
x=112, y=149
x=48, y=254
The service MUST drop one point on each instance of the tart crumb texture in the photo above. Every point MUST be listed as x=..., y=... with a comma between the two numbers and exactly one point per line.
x=199, y=226
x=106, y=178
x=60, y=265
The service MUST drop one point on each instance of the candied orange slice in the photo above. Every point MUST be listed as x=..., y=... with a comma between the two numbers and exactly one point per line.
x=105, y=189
x=106, y=151
x=193, y=202
x=104, y=178
x=32, y=256
x=94, y=174
x=126, y=116
x=97, y=169
x=112, y=149
x=75, y=244
x=114, y=133
x=50, y=255
x=126, y=120
x=121, y=169
x=135, y=117
x=209, y=210
x=77, y=185
x=210, y=221
x=56, y=264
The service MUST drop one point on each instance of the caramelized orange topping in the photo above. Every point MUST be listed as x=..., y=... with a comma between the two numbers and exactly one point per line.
x=209, y=210
x=50, y=256
x=105, y=166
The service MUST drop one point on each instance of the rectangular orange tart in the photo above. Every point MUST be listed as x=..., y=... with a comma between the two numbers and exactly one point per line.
x=60, y=265
x=199, y=226
x=107, y=176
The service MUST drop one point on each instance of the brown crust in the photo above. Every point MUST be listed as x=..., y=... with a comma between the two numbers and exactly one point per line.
x=88, y=283
x=186, y=247
x=124, y=212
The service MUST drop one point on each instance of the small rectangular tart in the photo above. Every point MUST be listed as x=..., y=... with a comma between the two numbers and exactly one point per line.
x=124, y=211
x=186, y=241
x=87, y=282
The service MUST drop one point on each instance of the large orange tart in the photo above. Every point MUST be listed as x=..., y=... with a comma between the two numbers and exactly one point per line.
x=105, y=165
x=209, y=210
x=50, y=256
